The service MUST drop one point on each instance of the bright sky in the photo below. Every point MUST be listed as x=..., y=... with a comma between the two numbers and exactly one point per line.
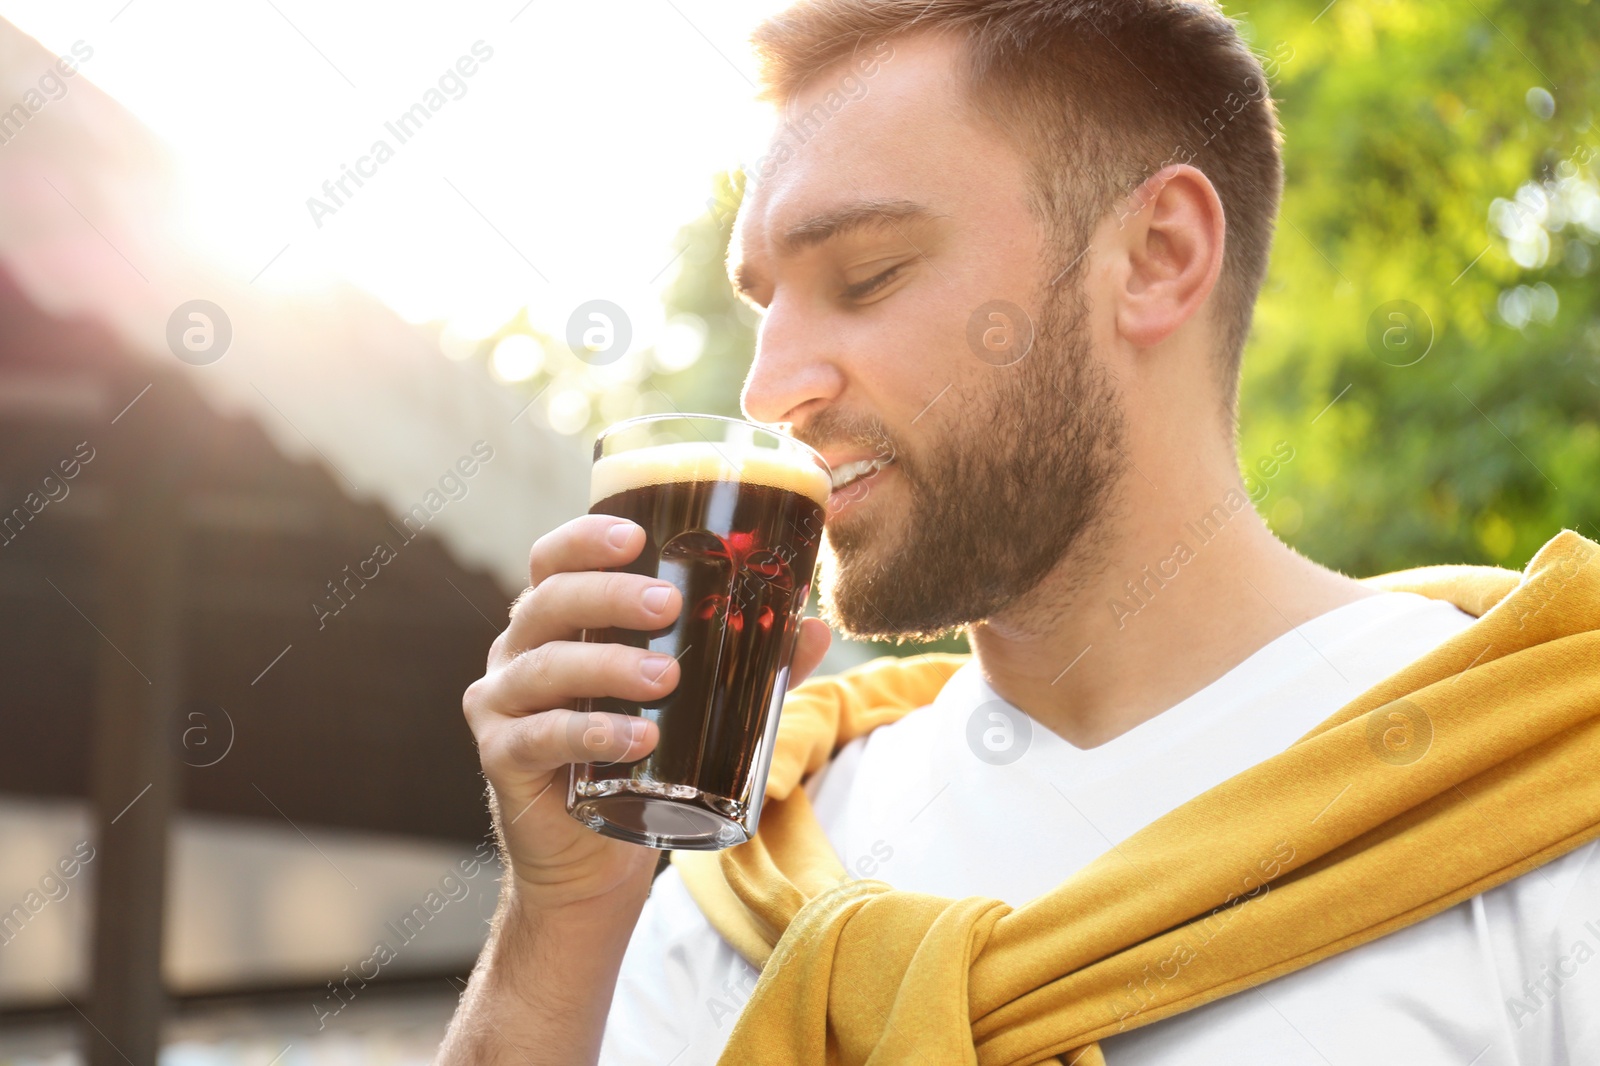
x=574, y=152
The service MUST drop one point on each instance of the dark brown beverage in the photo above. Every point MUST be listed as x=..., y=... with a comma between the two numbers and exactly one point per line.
x=742, y=554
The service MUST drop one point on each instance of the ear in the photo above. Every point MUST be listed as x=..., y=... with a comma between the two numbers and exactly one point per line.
x=1173, y=241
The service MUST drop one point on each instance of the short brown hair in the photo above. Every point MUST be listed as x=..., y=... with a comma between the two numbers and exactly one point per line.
x=1098, y=95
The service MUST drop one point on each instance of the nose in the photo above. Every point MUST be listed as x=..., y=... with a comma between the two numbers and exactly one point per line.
x=795, y=373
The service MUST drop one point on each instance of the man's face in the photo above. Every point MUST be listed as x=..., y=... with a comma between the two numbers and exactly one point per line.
x=914, y=315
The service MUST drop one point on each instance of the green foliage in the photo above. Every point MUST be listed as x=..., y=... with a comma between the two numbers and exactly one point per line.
x=1424, y=165
x=701, y=288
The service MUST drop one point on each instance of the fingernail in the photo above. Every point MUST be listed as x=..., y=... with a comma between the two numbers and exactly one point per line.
x=619, y=534
x=655, y=599
x=651, y=667
x=636, y=729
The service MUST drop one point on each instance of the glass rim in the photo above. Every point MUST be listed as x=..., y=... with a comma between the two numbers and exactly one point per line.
x=628, y=423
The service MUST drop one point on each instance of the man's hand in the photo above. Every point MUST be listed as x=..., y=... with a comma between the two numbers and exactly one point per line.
x=571, y=897
x=521, y=711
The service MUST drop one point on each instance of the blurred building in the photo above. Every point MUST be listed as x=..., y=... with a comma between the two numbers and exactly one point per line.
x=248, y=562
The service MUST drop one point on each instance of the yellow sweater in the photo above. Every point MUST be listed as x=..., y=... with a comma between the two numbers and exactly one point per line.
x=1503, y=775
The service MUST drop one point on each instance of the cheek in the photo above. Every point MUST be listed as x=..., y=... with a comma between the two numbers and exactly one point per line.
x=908, y=350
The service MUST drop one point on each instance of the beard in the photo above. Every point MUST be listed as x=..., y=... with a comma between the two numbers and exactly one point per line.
x=1022, y=479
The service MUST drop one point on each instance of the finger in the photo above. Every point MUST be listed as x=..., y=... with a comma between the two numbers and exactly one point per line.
x=555, y=673
x=810, y=646
x=588, y=542
x=564, y=604
x=549, y=740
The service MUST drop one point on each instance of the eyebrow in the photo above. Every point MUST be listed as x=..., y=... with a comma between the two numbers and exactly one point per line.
x=835, y=222
x=846, y=219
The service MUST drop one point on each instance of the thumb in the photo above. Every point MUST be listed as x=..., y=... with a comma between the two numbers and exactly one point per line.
x=811, y=645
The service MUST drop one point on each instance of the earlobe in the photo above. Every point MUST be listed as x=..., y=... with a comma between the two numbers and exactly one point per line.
x=1173, y=239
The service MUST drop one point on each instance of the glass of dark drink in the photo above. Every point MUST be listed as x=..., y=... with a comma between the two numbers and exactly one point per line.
x=732, y=514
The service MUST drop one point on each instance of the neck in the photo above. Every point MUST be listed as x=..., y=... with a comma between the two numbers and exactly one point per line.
x=1180, y=582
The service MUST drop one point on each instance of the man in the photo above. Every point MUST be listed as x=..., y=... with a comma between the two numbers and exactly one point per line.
x=1021, y=262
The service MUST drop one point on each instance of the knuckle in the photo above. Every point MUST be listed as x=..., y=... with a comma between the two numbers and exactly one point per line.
x=536, y=555
x=615, y=588
x=530, y=600
x=472, y=699
x=540, y=736
x=603, y=737
x=507, y=755
x=585, y=737
x=548, y=548
x=534, y=664
x=589, y=737
x=617, y=662
x=520, y=604
x=493, y=756
x=517, y=747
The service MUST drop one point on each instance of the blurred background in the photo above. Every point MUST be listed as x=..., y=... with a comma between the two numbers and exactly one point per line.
x=289, y=298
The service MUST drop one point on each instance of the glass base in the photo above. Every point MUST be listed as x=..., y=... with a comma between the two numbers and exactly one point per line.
x=685, y=820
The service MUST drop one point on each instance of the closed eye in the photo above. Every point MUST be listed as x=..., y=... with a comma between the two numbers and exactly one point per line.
x=862, y=289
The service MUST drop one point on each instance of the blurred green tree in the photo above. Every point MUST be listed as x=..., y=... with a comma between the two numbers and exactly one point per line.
x=701, y=288
x=1427, y=340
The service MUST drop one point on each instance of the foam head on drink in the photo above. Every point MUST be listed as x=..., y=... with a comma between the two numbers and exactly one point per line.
x=736, y=530
x=691, y=461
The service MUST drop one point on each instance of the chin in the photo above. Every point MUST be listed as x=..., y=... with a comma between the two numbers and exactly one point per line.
x=863, y=595
x=844, y=588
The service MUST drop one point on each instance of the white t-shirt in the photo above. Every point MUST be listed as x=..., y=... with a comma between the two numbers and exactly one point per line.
x=911, y=804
